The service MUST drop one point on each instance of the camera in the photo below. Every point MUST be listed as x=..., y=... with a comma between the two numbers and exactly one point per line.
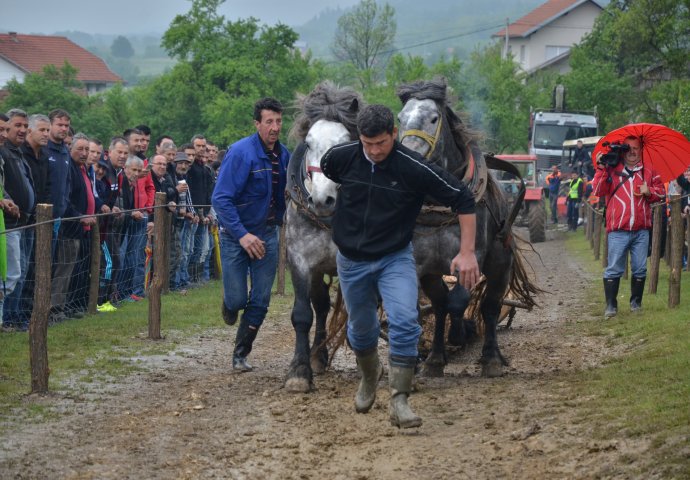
x=613, y=156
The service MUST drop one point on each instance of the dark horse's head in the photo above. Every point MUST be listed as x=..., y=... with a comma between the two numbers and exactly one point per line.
x=328, y=116
x=431, y=128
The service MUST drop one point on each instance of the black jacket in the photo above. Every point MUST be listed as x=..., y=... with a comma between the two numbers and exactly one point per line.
x=77, y=203
x=40, y=171
x=165, y=185
x=378, y=204
x=21, y=193
x=199, y=188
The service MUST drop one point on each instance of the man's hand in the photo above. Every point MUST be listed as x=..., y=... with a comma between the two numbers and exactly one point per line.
x=88, y=221
x=644, y=189
x=686, y=210
x=182, y=187
x=10, y=207
x=105, y=208
x=137, y=215
x=466, y=268
x=149, y=228
x=253, y=245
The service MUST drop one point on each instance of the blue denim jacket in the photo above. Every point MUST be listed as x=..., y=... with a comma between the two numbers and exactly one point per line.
x=242, y=194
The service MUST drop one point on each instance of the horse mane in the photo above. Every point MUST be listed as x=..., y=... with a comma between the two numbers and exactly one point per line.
x=437, y=90
x=326, y=102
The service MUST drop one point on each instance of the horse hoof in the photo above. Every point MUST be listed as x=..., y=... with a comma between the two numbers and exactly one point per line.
x=493, y=368
x=318, y=366
x=432, y=370
x=297, y=385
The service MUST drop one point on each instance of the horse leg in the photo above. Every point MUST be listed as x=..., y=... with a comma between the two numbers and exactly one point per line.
x=461, y=331
x=437, y=291
x=299, y=377
x=497, y=269
x=321, y=301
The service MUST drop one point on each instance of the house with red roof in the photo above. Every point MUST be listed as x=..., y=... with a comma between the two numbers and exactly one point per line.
x=543, y=38
x=22, y=54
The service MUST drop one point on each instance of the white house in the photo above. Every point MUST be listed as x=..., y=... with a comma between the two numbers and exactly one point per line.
x=543, y=38
x=22, y=54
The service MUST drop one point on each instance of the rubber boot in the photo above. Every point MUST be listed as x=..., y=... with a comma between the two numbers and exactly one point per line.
x=371, y=371
x=636, y=291
x=611, y=291
x=401, y=415
x=229, y=316
x=243, y=346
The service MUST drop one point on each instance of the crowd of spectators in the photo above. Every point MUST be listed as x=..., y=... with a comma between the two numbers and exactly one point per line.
x=113, y=185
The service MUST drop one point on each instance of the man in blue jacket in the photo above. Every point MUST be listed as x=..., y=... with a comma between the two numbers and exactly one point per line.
x=249, y=202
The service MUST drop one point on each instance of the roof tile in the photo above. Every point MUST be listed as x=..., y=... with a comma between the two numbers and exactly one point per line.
x=537, y=17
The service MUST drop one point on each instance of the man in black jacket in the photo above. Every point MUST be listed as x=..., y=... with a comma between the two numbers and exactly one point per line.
x=383, y=185
x=19, y=187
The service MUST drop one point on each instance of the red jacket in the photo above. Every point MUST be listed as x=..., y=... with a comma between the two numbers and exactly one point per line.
x=146, y=190
x=627, y=210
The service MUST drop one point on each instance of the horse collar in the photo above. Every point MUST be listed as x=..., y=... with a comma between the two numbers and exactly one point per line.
x=430, y=139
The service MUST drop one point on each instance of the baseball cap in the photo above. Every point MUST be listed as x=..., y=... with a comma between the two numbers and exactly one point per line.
x=181, y=157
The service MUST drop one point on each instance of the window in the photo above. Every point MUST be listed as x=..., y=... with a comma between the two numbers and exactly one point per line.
x=522, y=54
x=555, y=50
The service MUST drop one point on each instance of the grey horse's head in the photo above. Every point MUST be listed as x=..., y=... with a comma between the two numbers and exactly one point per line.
x=328, y=116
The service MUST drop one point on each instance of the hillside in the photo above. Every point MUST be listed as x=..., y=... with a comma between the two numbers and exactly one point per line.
x=450, y=26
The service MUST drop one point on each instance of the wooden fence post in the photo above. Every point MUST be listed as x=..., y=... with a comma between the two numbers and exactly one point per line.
x=677, y=233
x=159, y=265
x=667, y=246
x=597, y=234
x=282, y=260
x=687, y=242
x=605, y=253
x=655, y=259
x=95, y=268
x=38, y=327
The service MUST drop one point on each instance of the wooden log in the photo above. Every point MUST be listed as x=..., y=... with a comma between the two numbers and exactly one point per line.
x=94, y=269
x=38, y=327
x=156, y=287
x=282, y=261
x=655, y=259
x=667, y=248
x=598, y=221
x=687, y=243
x=677, y=234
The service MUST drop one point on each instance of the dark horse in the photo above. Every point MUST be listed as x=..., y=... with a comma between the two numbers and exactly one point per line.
x=430, y=127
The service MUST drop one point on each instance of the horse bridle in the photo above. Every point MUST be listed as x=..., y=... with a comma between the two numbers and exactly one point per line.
x=432, y=140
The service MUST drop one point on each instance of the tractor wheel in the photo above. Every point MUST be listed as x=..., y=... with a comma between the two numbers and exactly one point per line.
x=536, y=218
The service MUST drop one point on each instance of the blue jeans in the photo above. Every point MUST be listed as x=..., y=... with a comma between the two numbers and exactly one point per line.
x=236, y=262
x=573, y=212
x=13, y=300
x=131, y=280
x=186, y=245
x=619, y=244
x=394, y=277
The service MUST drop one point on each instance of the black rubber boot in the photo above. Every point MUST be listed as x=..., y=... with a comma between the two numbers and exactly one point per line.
x=243, y=346
x=371, y=370
x=611, y=291
x=636, y=291
x=229, y=317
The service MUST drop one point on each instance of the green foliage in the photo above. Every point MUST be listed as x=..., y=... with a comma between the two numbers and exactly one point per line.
x=121, y=48
x=497, y=100
x=362, y=37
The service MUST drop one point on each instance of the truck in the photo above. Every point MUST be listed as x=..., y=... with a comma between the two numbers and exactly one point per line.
x=549, y=128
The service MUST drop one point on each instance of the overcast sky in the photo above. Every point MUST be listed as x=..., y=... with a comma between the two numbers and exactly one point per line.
x=144, y=16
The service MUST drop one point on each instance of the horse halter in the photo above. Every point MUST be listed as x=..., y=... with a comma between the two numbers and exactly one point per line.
x=430, y=139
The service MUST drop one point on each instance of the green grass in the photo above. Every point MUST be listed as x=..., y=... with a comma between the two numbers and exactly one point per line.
x=102, y=347
x=645, y=390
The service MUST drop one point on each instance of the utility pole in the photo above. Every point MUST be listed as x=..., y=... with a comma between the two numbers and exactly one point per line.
x=505, y=47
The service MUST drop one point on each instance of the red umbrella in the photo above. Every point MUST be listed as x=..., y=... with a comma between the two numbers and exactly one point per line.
x=665, y=149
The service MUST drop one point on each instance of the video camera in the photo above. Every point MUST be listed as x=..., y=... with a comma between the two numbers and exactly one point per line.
x=614, y=155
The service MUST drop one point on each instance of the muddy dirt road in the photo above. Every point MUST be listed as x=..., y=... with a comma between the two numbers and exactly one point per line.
x=190, y=417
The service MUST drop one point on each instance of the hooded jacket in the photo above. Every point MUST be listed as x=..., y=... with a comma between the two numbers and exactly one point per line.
x=626, y=209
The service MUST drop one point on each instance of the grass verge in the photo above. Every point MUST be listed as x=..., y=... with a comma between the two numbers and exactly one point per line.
x=100, y=348
x=645, y=389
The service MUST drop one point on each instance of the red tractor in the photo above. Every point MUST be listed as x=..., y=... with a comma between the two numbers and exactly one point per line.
x=533, y=212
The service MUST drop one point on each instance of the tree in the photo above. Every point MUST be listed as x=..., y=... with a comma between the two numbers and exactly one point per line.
x=363, y=36
x=121, y=48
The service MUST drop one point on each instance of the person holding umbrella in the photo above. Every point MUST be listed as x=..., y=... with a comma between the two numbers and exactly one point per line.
x=630, y=185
